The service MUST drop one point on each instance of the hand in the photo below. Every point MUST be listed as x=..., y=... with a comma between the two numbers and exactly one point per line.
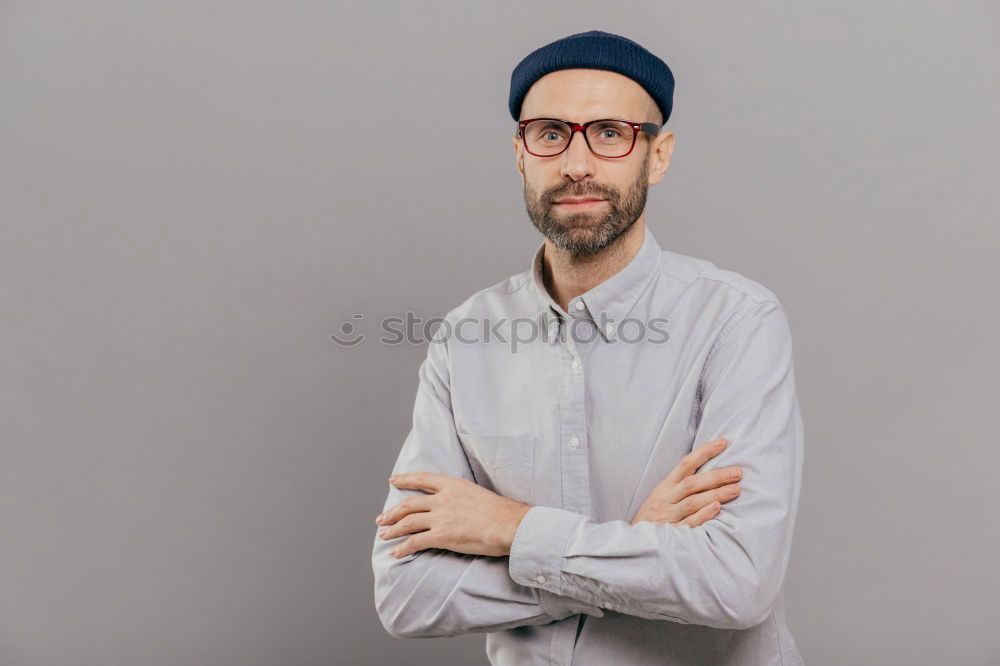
x=458, y=515
x=685, y=498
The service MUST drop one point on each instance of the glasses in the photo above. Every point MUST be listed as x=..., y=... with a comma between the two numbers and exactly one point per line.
x=547, y=137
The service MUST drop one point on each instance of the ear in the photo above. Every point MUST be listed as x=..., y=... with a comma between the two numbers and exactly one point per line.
x=519, y=156
x=663, y=148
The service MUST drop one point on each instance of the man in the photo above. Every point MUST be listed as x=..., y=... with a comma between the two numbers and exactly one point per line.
x=516, y=506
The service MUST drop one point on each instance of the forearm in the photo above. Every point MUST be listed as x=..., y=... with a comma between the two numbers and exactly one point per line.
x=701, y=575
x=435, y=593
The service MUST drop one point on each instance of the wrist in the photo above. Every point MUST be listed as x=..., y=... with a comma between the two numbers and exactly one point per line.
x=517, y=513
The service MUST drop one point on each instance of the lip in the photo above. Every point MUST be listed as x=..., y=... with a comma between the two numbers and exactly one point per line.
x=572, y=205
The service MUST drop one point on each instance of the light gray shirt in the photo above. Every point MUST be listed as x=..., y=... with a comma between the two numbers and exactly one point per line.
x=581, y=420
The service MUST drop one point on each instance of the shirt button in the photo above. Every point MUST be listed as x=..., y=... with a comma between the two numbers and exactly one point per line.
x=579, y=305
x=540, y=579
x=576, y=363
x=574, y=442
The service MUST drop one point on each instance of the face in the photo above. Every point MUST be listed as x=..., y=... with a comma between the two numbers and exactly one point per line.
x=621, y=183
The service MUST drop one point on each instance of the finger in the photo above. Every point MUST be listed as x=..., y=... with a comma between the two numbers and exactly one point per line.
x=724, y=494
x=419, y=481
x=702, y=515
x=411, y=524
x=702, y=481
x=406, y=506
x=690, y=463
x=413, y=544
x=694, y=503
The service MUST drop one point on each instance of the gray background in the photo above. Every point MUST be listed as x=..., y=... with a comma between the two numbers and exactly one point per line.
x=194, y=196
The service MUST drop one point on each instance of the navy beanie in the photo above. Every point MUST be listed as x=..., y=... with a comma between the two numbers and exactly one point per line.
x=595, y=49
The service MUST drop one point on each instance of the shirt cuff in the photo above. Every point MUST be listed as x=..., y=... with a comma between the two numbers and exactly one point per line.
x=536, y=556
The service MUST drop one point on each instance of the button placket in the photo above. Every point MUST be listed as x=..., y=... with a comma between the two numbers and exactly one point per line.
x=575, y=467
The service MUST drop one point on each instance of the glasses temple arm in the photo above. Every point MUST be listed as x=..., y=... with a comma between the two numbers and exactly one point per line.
x=650, y=128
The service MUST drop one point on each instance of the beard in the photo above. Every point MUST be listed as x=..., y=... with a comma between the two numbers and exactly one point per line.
x=587, y=232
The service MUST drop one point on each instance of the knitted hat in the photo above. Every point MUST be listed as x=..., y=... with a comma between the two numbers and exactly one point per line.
x=595, y=49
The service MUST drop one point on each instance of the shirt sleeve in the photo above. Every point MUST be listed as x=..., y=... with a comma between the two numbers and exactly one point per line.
x=436, y=592
x=727, y=572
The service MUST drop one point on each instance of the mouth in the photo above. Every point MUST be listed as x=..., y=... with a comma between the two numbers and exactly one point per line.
x=578, y=204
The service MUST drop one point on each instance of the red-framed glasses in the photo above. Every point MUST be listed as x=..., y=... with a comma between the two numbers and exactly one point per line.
x=548, y=137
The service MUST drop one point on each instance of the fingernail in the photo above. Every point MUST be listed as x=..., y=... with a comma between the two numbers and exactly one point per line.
x=393, y=552
x=382, y=531
x=393, y=477
x=378, y=518
x=721, y=443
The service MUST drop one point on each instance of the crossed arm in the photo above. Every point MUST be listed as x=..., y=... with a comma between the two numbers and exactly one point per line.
x=437, y=592
x=725, y=573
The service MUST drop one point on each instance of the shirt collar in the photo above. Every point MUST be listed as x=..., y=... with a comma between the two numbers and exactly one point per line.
x=609, y=302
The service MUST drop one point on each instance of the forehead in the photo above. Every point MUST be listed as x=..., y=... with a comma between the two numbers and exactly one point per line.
x=585, y=94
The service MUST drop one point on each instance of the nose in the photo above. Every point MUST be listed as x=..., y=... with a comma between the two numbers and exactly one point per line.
x=578, y=161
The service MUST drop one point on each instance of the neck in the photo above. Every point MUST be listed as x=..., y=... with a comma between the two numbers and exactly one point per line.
x=566, y=275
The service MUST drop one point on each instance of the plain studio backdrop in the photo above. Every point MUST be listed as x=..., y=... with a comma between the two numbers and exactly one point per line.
x=195, y=196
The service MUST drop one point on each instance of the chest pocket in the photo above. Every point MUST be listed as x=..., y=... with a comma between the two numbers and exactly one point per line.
x=503, y=463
